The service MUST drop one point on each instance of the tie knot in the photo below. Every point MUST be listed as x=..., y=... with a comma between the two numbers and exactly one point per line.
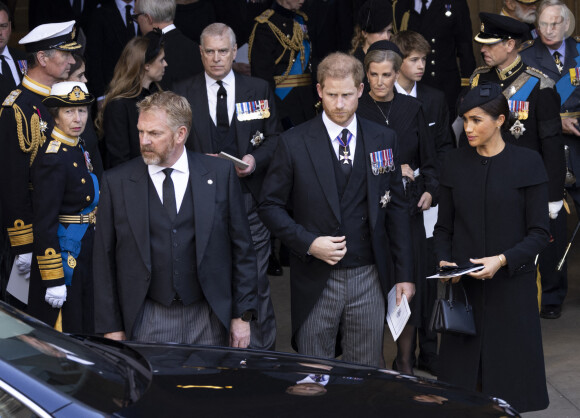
x=220, y=83
x=556, y=54
x=128, y=8
x=168, y=172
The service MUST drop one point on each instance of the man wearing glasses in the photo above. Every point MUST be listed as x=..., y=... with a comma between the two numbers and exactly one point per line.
x=557, y=55
x=236, y=115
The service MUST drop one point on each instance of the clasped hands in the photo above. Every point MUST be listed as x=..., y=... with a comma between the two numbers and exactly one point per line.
x=426, y=198
x=490, y=266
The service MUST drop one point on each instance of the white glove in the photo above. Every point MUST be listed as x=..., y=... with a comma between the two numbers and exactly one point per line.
x=56, y=296
x=23, y=262
x=554, y=208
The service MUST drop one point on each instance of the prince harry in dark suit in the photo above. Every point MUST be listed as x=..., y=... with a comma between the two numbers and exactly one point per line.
x=173, y=255
x=236, y=114
x=341, y=174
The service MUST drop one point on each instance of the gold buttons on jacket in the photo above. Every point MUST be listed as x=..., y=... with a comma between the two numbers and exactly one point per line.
x=75, y=165
x=83, y=181
x=88, y=198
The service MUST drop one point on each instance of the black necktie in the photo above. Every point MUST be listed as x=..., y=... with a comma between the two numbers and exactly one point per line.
x=77, y=8
x=6, y=73
x=169, y=194
x=559, y=64
x=423, y=7
x=221, y=110
x=129, y=20
x=344, y=152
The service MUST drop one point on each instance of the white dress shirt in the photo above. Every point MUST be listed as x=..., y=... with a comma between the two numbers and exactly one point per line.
x=335, y=131
x=168, y=28
x=12, y=65
x=419, y=3
x=229, y=82
x=403, y=91
x=180, y=177
x=121, y=5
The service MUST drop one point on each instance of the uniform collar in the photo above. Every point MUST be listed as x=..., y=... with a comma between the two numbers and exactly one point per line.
x=35, y=86
x=511, y=69
x=64, y=138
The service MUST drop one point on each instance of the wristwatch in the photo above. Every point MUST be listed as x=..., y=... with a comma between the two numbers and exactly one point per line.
x=247, y=316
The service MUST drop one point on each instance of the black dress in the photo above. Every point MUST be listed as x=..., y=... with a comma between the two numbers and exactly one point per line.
x=490, y=206
x=405, y=116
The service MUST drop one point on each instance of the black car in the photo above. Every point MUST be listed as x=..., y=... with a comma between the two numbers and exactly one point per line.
x=45, y=373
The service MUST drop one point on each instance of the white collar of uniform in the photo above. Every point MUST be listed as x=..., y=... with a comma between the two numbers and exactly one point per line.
x=335, y=130
x=180, y=165
x=35, y=86
x=403, y=91
x=228, y=80
x=168, y=28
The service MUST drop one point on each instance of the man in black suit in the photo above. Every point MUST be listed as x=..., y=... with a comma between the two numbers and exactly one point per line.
x=42, y=11
x=236, y=114
x=342, y=175
x=12, y=59
x=109, y=30
x=181, y=53
x=555, y=24
x=173, y=253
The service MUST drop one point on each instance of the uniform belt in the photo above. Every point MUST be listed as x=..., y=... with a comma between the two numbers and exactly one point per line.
x=293, y=80
x=569, y=114
x=89, y=218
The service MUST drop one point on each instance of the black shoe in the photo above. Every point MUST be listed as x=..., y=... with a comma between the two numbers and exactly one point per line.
x=551, y=311
x=274, y=267
x=429, y=367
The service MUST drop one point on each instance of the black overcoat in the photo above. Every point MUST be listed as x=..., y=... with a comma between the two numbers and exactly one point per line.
x=490, y=206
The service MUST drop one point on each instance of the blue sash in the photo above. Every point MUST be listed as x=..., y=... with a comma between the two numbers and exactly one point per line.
x=282, y=92
x=70, y=238
x=524, y=92
x=564, y=85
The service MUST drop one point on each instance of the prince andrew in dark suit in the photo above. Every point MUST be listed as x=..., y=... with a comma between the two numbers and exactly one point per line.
x=342, y=175
x=173, y=256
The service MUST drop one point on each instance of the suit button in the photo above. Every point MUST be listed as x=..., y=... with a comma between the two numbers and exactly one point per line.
x=433, y=62
x=75, y=165
x=83, y=181
x=64, y=149
x=174, y=231
x=88, y=198
x=432, y=51
x=433, y=74
x=174, y=245
x=364, y=218
x=433, y=40
x=484, y=162
x=148, y=277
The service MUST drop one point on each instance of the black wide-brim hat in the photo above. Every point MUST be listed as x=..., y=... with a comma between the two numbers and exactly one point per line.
x=67, y=94
x=375, y=15
x=496, y=28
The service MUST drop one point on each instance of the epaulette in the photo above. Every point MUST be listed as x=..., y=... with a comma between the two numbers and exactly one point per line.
x=545, y=81
x=475, y=76
x=53, y=147
x=266, y=14
x=301, y=13
x=526, y=45
x=11, y=98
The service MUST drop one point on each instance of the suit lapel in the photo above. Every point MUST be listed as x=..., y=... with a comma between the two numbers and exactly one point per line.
x=372, y=143
x=201, y=118
x=321, y=158
x=243, y=94
x=547, y=62
x=203, y=188
x=136, y=193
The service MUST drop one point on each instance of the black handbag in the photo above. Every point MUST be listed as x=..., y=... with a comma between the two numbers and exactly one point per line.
x=451, y=315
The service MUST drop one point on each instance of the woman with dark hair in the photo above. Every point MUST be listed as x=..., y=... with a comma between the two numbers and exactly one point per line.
x=374, y=23
x=492, y=211
x=137, y=74
x=403, y=114
x=65, y=195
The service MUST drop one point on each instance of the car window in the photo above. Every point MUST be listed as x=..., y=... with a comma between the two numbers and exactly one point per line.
x=10, y=407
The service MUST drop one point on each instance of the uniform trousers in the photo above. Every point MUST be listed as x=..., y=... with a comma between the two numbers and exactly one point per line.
x=262, y=329
x=351, y=305
x=179, y=323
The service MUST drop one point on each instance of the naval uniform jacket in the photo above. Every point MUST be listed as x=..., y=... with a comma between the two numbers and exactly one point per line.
x=490, y=206
x=536, y=54
x=303, y=172
x=248, y=89
x=543, y=127
x=226, y=262
x=25, y=125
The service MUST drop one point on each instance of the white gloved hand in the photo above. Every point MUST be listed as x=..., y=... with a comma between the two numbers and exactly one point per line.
x=23, y=262
x=56, y=296
x=554, y=208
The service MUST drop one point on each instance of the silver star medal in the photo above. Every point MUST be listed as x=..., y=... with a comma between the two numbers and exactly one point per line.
x=257, y=139
x=43, y=126
x=517, y=129
x=386, y=198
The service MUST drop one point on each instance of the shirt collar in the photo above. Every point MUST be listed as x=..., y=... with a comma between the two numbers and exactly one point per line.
x=561, y=50
x=403, y=91
x=228, y=80
x=180, y=165
x=168, y=28
x=335, y=130
x=121, y=5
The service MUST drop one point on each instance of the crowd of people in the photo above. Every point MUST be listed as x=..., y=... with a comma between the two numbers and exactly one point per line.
x=148, y=165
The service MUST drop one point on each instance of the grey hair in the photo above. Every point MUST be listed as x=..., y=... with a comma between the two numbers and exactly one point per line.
x=159, y=10
x=218, y=29
x=565, y=12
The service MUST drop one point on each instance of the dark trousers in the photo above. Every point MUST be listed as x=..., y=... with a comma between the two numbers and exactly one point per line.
x=554, y=283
